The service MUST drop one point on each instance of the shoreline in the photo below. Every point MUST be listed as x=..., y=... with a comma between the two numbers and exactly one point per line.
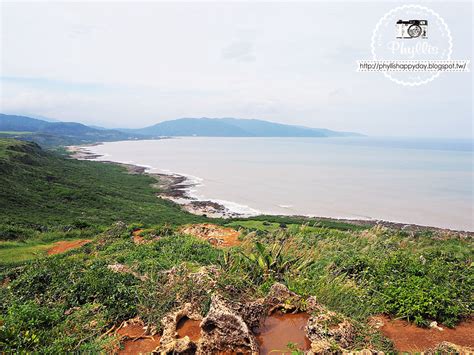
x=175, y=188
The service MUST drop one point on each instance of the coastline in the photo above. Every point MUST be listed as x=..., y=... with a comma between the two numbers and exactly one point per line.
x=172, y=187
x=175, y=188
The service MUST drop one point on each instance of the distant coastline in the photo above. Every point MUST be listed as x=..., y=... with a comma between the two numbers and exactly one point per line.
x=176, y=188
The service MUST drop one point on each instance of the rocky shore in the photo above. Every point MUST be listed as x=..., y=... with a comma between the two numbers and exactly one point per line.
x=172, y=187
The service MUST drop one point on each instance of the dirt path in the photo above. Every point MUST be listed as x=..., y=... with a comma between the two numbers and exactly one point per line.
x=214, y=234
x=65, y=245
x=410, y=338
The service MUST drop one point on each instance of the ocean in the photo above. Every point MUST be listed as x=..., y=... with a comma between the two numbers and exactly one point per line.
x=420, y=181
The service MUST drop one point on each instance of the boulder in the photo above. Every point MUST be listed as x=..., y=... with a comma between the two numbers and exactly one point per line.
x=329, y=331
x=279, y=297
x=224, y=328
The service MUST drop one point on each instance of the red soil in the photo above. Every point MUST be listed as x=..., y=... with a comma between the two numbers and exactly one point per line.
x=214, y=234
x=65, y=245
x=190, y=328
x=408, y=337
x=135, y=341
x=280, y=329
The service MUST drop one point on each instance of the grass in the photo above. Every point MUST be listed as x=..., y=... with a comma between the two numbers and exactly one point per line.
x=17, y=252
x=47, y=197
x=44, y=190
x=357, y=274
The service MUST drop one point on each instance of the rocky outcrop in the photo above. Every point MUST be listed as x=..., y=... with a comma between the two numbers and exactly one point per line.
x=229, y=327
x=280, y=298
x=170, y=343
x=224, y=328
x=328, y=331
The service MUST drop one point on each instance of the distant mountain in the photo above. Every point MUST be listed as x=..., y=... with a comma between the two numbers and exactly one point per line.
x=57, y=133
x=233, y=127
x=68, y=133
x=32, y=115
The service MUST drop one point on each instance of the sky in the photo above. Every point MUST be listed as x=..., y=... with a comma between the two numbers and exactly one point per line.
x=133, y=64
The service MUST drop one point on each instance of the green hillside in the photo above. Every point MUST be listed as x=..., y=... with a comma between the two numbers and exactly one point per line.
x=48, y=133
x=45, y=189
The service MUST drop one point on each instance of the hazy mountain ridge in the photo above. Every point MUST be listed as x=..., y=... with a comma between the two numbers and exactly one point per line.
x=233, y=127
x=57, y=133
x=68, y=133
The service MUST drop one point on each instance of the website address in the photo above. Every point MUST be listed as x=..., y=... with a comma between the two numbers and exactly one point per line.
x=413, y=65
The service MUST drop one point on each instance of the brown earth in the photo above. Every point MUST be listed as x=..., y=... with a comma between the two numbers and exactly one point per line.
x=281, y=329
x=65, y=245
x=214, y=234
x=135, y=340
x=408, y=337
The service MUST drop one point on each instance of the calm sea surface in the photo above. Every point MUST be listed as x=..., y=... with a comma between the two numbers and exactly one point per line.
x=421, y=181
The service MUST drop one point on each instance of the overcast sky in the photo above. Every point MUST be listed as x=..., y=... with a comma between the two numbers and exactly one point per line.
x=132, y=64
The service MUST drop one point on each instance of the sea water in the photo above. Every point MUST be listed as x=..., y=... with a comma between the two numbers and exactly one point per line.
x=420, y=181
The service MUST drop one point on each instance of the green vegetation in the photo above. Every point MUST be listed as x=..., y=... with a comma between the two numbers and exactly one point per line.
x=66, y=302
x=13, y=252
x=44, y=191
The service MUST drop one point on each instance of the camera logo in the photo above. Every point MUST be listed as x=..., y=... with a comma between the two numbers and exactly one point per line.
x=412, y=29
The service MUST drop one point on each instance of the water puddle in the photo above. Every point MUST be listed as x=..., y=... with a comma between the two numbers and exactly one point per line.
x=190, y=328
x=407, y=337
x=281, y=330
x=135, y=341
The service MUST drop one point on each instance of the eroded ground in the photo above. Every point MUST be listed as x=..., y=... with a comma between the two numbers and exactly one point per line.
x=214, y=234
x=65, y=245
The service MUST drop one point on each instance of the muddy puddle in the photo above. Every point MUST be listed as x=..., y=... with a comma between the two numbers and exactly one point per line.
x=410, y=338
x=190, y=328
x=279, y=330
x=135, y=341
